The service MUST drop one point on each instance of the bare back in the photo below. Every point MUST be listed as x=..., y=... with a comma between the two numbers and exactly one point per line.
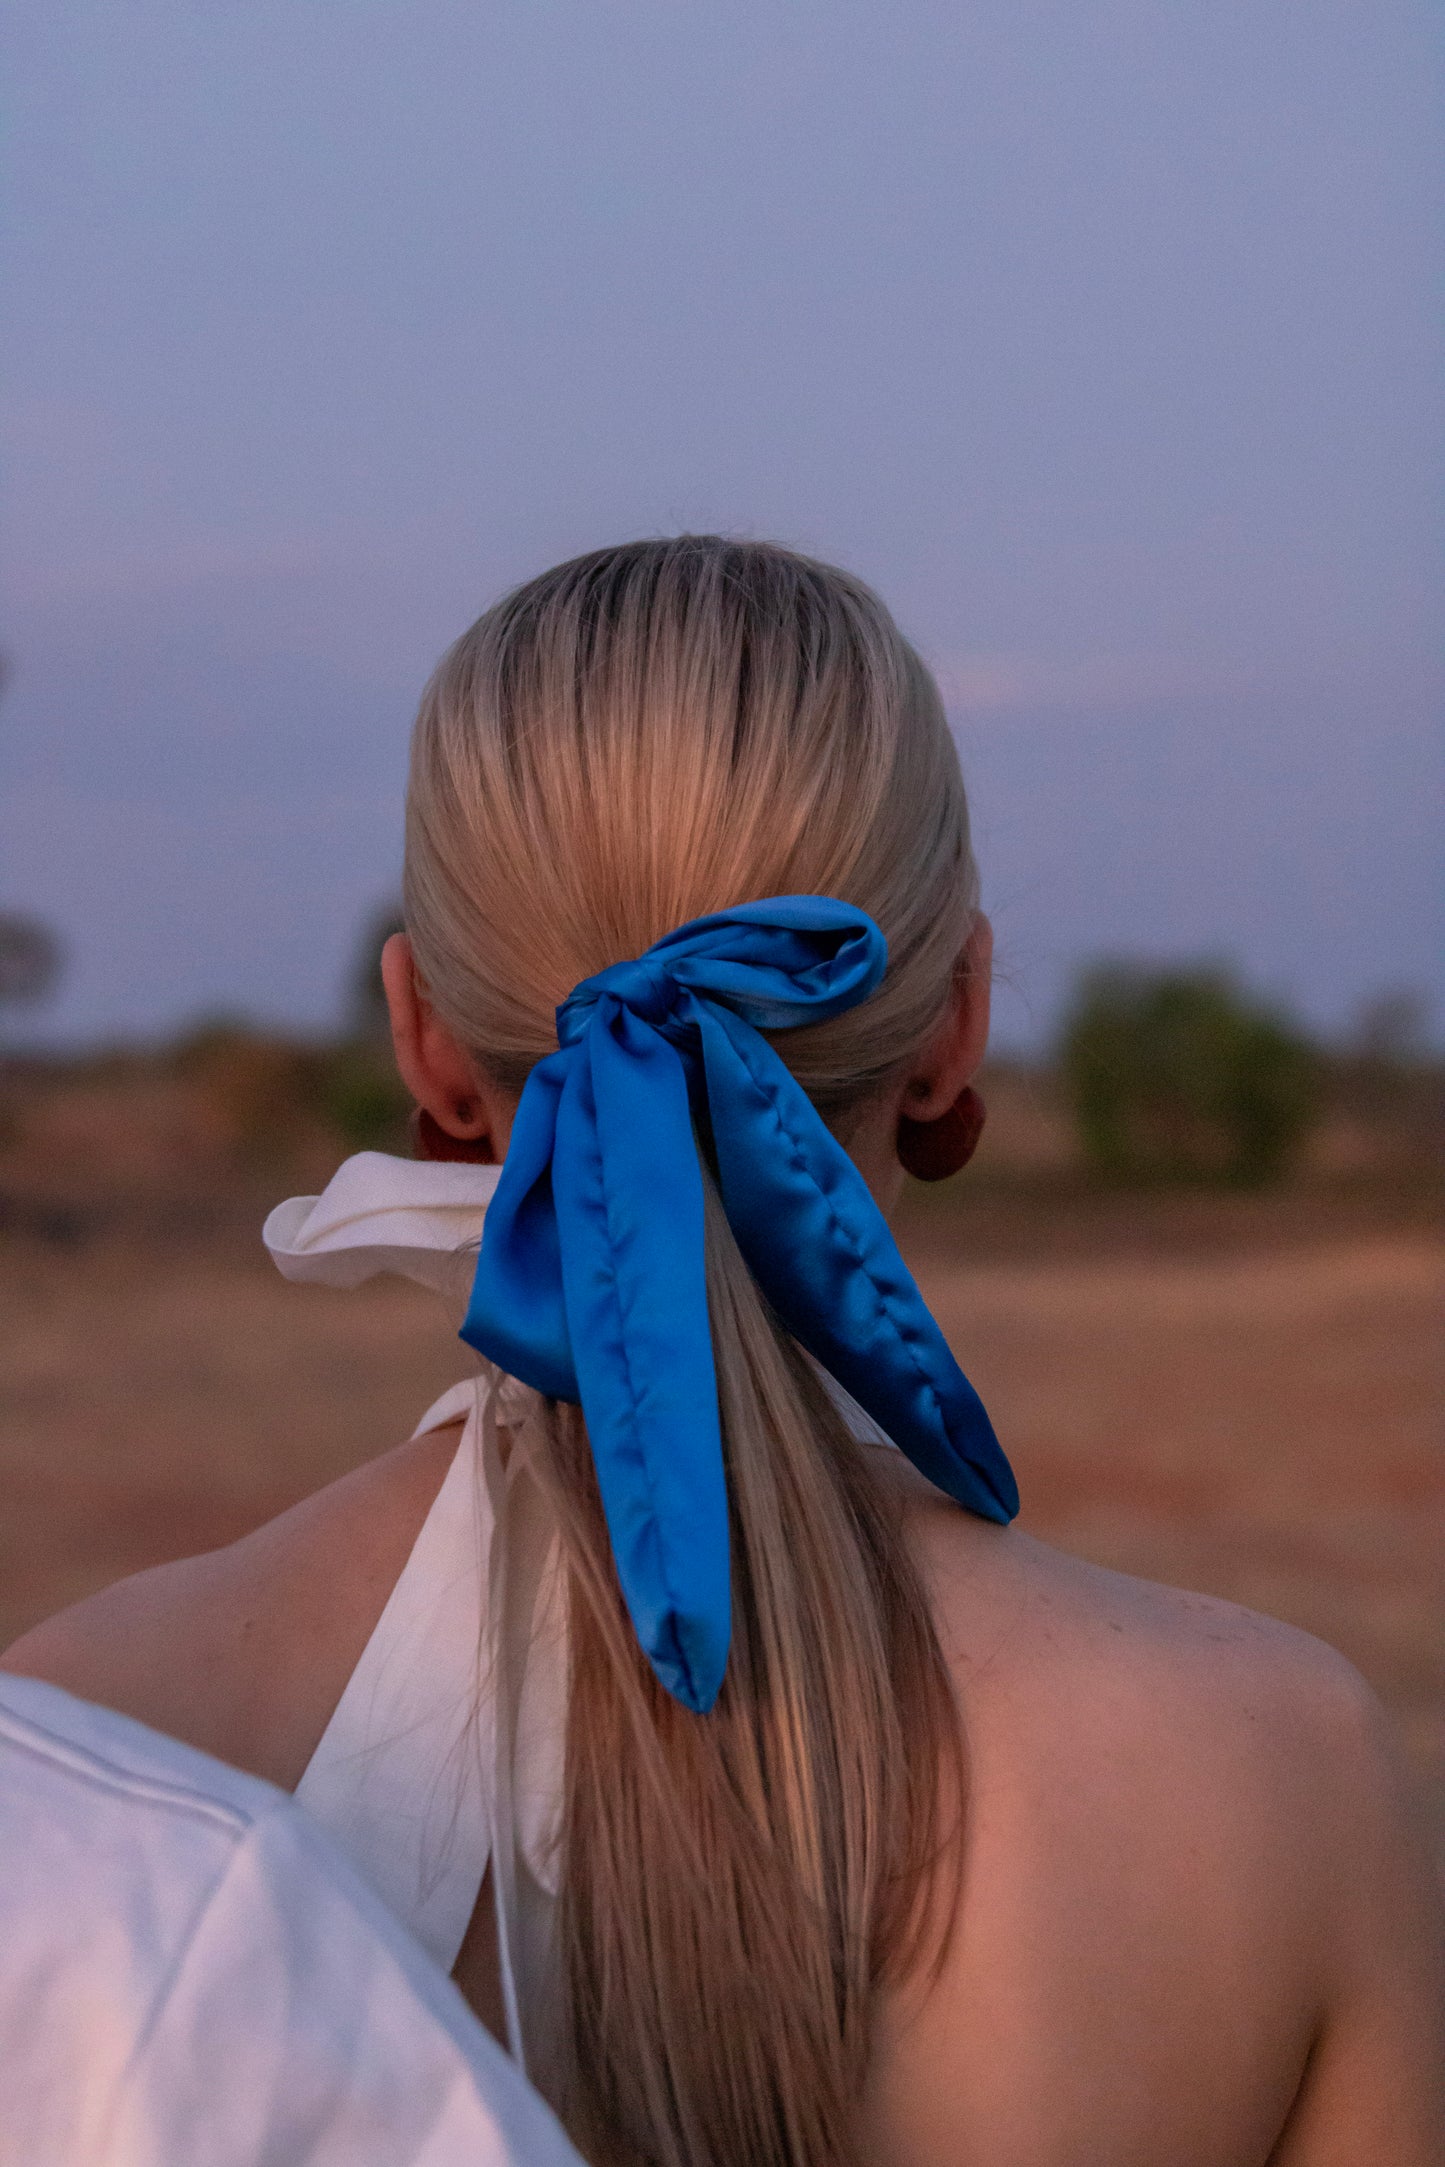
x=1193, y=1929
x=1193, y=1925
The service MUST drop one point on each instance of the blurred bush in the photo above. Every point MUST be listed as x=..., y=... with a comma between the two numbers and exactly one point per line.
x=361, y=1094
x=1179, y=1076
x=30, y=958
x=366, y=995
x=364, y=1100
x=266, y=1096
x=256, y=1090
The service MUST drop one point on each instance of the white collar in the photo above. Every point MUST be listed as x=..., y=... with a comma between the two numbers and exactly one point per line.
x=420, y=1218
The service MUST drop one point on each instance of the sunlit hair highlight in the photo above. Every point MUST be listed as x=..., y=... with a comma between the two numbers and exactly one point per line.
x=637, y=738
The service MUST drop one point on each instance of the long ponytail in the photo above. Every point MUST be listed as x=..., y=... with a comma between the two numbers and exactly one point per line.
x=734, y=1886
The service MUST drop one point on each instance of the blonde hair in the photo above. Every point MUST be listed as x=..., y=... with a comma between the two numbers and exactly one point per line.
x=632, y=740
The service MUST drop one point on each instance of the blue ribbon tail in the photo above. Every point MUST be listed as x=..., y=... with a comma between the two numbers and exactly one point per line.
x=818, y=1246
x=629, y=1205
x=516, y=1316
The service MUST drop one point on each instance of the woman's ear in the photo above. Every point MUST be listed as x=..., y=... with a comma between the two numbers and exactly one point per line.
x=434, y=1068
x=953, y=1055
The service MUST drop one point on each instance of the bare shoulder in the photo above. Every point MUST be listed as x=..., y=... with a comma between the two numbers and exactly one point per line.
x=245, y=1651
x=1031, y=1632
x=1228, y=1729
x=1203, y=1814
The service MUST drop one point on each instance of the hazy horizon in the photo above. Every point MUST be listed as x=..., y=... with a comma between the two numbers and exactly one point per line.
x=1101, y=342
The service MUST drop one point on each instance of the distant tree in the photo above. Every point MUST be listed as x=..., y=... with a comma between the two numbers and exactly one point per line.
x=31, y=958
x=1384, y=1074
x=364, y=1098
x=1177, y=1075
x=366, y=1002
x=1392, y=1028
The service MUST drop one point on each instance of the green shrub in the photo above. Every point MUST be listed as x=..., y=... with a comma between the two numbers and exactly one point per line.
x=366, y=999
x=263, y=1093
x=364, y=1099
x=254, y=1086
x=1179, y=1076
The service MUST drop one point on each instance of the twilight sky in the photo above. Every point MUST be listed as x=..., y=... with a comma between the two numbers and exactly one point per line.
x=1098, y=334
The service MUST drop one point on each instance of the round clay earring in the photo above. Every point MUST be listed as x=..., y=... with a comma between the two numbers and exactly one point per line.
x=429, y=1140
x=932, y=1150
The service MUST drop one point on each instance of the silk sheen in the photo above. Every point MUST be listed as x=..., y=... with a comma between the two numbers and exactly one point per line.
x=590, y=1284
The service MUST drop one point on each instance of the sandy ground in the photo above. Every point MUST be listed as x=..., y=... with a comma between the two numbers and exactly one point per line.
x=1234, y=1396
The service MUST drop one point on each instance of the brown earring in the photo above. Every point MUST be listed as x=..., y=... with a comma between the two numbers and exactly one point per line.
x=932, y=1150
x=429, y=1140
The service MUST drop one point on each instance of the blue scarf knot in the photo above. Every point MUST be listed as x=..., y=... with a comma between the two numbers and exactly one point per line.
x=590, y=1283
x=646, y=986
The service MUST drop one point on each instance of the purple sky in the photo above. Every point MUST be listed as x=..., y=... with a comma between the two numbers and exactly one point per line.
x=1099, y=338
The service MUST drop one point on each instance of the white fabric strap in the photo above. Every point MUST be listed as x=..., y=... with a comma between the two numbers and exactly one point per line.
x=401, y=1775
x=416, y=1217
x=445, y=1748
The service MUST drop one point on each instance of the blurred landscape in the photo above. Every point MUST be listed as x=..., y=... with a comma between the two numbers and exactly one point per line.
x=1230, y=1386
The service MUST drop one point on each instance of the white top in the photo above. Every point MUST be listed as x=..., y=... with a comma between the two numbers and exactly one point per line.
x=192, y=1975
x=445, y=1749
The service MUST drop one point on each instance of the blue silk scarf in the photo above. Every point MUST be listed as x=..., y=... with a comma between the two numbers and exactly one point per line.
x=590, y=1285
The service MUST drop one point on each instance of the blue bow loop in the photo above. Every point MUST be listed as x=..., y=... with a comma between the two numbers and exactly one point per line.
x=590, y=1283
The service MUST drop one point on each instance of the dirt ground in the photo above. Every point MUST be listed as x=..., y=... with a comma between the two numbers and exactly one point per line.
x=1238, y=1394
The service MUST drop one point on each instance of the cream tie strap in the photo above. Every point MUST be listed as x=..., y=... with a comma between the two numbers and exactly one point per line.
x=446, y=1747
x=415, y=1217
